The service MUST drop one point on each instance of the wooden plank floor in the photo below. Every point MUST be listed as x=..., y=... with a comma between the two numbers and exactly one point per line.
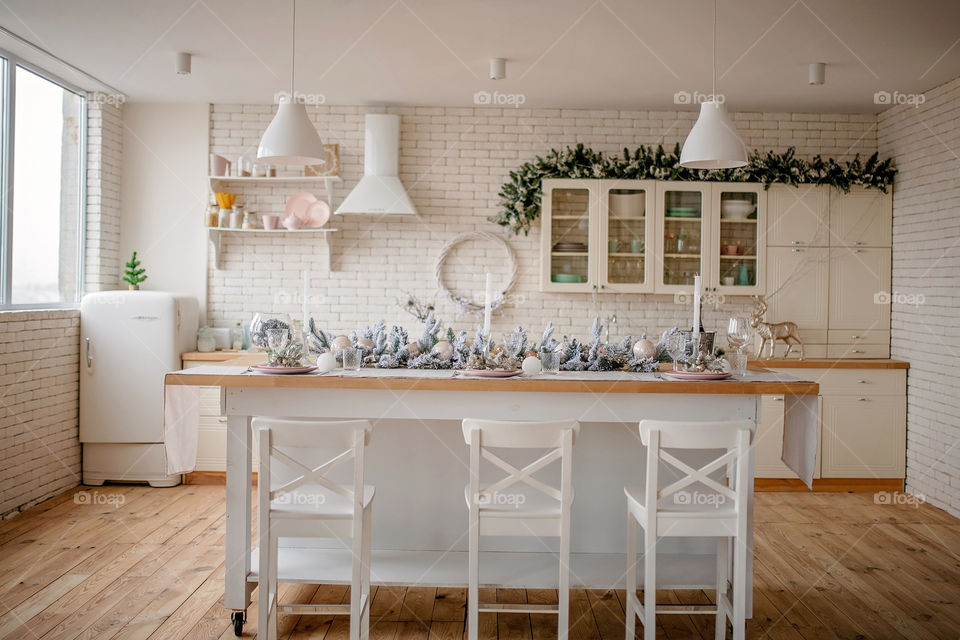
x=136, y=562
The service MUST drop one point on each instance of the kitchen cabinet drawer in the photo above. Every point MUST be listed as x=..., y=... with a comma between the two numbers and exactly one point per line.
x=863, y=436
x=852, y=336
x=811, y=349
x=862, y=382
x=840, y=351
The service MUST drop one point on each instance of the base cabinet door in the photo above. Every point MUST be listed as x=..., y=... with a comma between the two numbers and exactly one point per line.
x=798, y=280
x=768, y=441
x=863, y=436
x=860, y=289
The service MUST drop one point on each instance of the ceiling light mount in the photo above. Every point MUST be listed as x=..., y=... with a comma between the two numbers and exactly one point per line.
x=183, y=63
x=818, y=72
x=498, y=68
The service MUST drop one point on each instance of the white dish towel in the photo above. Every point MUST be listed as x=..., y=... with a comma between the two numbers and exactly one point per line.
x=801, y=426
x=181, y=425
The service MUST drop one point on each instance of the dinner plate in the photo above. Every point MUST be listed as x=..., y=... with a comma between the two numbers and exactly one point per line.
x=297, y=204
x=285, y=371
x=316, y=214
x=492, y=373
x=698, y=375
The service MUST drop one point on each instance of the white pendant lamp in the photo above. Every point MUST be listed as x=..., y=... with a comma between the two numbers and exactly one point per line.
x=713, y=142
x=291, y=138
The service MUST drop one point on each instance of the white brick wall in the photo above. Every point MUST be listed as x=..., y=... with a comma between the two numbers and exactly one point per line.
x=925, y=144
x=39, y=369
x=453, y=161
x=104, y=157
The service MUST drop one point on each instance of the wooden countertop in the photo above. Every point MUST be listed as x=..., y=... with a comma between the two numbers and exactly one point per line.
x=757, y=383
x=213, y=356
x=827, y=363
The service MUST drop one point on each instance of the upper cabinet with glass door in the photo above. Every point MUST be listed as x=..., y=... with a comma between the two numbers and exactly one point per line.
x=626, y=236
x=737, y=256
x=682, y=213
x=567, y=235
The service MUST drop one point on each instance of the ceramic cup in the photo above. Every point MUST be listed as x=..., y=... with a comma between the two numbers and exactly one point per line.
x=612, y=246
x=636, y=246
x=270, y=222
x=728, y=281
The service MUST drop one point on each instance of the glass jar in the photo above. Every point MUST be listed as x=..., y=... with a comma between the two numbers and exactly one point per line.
x=250, y=220
x=682, y=243
x=224, y=221
x=206, y=340
x=213, y=216
x=263, y=322
x=236, y=337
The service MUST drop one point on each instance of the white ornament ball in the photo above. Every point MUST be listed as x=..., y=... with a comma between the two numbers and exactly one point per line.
x=326, y=362
x=531, y=366
x=365, y=343
x=340, y=343
x=443, y=349
x=644, y=349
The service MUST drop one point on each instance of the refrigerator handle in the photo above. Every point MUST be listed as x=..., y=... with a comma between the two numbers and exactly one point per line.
x=89, y=357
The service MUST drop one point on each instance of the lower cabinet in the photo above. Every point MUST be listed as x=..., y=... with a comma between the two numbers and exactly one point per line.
x=863, y=425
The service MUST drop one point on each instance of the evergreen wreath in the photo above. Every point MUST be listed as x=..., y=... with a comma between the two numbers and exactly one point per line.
x=520, y=195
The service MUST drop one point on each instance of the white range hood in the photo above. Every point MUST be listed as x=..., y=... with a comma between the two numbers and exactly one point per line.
x=379, y=190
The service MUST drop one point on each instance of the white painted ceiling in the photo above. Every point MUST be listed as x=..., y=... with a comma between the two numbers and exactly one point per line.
x=563, y=53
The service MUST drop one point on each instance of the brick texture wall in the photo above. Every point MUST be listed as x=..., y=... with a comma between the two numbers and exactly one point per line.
x=104, y=157
x=452, y=162
x=925, y=143
x=39, y=378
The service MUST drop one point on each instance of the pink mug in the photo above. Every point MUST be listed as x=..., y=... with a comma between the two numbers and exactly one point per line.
x=270, y=222
x=219, y=166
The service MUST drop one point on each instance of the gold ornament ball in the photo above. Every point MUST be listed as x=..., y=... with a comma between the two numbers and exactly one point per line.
x=365, y=343
x=443, y=349
x=644, y=349
x=413, y=348
x=339, y=344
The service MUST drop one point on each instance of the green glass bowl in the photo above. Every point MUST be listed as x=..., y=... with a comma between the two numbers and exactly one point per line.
x=568, y=278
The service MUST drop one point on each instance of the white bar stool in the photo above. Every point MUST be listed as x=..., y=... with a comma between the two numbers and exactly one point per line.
x=494, y=511
x=311, y=505
x=692, y=505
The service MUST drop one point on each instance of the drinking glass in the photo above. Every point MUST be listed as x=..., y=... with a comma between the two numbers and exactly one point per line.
x=677, y=348
x=550, y=361
x=352, y=359
x=739, y=333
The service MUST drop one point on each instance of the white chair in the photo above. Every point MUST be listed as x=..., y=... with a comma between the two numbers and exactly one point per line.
x=298, y=499
x=694, y=504
x=497, y=509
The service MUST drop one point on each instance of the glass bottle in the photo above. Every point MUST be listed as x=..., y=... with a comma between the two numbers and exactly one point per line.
x=236, y=337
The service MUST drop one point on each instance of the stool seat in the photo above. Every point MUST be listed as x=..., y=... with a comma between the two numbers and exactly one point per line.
x=519, y=503
x=703, y=504
x=316, y=500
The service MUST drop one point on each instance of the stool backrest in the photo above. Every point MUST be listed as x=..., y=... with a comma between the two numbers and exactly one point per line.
x=557, y=437
x=288, y=440
x=731, y=436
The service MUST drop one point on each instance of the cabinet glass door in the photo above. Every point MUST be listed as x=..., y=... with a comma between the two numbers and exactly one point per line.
x=681, y=234
x=625, y=235
x=738, y=251
x=566, y=241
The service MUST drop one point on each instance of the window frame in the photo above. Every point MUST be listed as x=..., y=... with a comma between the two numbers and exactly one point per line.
x=7, y=125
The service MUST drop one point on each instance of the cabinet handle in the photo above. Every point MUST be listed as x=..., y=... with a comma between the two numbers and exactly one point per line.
x=863, y=382
x=856, y=337
x=859, y=244
x=858, y=250
x=89, y=357
x=795, y=242
x=778, y=399
x=797, y=250
x=603, y=286
x=856, y=351
x=862, y=400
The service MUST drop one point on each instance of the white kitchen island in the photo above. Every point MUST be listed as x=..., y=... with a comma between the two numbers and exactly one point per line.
x=418, y=462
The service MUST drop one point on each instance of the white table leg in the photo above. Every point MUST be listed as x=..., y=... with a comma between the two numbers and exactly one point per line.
x=236, y=590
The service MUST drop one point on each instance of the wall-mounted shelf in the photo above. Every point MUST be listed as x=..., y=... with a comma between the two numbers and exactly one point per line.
x=218, y=183
x=216, y=237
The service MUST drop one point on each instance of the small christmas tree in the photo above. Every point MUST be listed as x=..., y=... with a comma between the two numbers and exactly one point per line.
x=133, y=273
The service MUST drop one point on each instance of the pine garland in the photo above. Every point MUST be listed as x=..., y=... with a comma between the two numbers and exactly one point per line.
x=520, y=196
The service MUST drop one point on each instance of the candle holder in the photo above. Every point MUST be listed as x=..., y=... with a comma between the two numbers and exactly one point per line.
x=707, y=340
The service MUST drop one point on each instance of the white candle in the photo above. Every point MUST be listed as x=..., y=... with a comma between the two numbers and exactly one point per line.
x=487, y=301
x=696, y=306
x=306, y=285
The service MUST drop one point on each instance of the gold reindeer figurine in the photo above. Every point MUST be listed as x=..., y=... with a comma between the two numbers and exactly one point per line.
x=773, y=331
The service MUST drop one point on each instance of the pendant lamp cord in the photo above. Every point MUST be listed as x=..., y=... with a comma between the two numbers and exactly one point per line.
x=714, y=48
x=293, y=51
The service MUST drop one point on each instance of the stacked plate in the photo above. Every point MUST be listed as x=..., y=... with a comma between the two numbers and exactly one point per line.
x=569, y=247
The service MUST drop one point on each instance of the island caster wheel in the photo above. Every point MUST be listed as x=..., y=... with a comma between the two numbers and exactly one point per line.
x=238, y=618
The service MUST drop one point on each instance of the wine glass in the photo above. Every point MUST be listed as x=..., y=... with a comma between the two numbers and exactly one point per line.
x=739, y=333
x=677, y=348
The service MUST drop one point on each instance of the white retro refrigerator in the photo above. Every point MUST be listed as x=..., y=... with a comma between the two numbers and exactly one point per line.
x=128, y=341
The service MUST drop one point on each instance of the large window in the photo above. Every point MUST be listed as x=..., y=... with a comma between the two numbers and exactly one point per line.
x=44, y=149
